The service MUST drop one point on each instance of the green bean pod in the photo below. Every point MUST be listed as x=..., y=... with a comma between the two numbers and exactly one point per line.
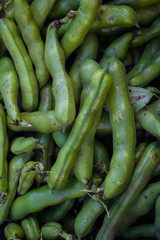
x=28, y=174
x=4, y=151
x=88, y=50
x=150, y=121
x=141, y=207
x=13, y=231
x=110, y=16
x=148, y=74
x=134, y=3
x=140, y=177
x=86, y=218
x=23, y=65
x=62, y=7
x=122, y=121
x=119, y=47
x=9, y=86
x=147, y=14
x=56, y=213
x=62, y=85
x=42, y=197
x=84, y=164
x=40, y=10
x=31, y=228
x=52, y=230
x=146, y=230
x=22, y=145
x=143, y=35
x=31, y=36
x=15, y=167
x=100, y=84
x=74, y=36
x=43, y=122
x=147, y=57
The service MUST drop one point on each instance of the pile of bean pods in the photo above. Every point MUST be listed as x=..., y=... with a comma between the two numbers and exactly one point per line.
x=79, y=119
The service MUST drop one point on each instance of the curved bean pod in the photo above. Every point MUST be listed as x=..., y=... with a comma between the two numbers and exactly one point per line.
x=15, y=167
x=122, y=121
x=100, y=84
x=143, y=35
x=40, y=10
x=61, y=86
x=52, y=230
x=43, y=122
x=42, y=197
x=140, y=177
x=32, y=38
x=74, y=36
x=16, y=48
x=119, y=47
x=113, y=16
x=13, y=231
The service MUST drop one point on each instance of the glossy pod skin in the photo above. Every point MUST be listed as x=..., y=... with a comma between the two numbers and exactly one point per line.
x=146, y=230
x=52, y=230
x=42, y=197
x=31, y=227
x=23, y=65
x=4, y=144
x=142, y=206
x=86, y=218
x=149, y=53
x=32, y=38
x=74, y=36
x=143, y=35
x=122, y=121
x=62, y=7
x=62, y=85
x=15, y=167
x=147, y=14
x=100, y=84
x=13, y=231
x=83, y=167
x=111, y=16
x=148, y=74
x=40, y=10
x=9, y=86
x=22, y=145
x=88, y=50
x=119, y=48
x=140, y=178
x=150, y=121
x=38, y=121
x=55, y=213
x=134, y=3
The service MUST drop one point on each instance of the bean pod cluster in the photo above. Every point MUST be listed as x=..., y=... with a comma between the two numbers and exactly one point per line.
x=79, y=119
